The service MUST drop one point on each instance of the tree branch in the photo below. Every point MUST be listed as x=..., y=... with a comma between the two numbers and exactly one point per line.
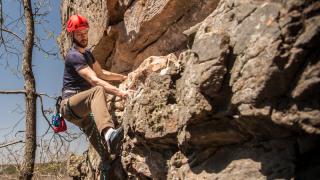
x=11, y=143
x=23, y=92
x=44, y=94
x=12, y=33
x=12, y=92
x=43, y=114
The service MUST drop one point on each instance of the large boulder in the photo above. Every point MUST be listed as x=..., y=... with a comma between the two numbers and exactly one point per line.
x=241, y=101
x=248, y=76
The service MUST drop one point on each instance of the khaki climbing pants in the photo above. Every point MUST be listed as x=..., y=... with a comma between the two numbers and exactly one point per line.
x=81, y=105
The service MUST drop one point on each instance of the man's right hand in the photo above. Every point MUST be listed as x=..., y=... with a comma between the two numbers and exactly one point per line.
x=125, y=94
x=122, y=94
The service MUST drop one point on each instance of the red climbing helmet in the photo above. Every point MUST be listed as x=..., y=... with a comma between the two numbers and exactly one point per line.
x=77, y=22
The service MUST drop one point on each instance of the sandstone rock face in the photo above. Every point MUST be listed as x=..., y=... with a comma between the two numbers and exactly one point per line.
x=125, y=32
x=241, y=103
x=94, y=10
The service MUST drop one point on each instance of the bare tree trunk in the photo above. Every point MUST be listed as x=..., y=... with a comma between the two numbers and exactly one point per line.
x=30, y=97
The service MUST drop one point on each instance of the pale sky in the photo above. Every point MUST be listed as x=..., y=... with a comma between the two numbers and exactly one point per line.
x=48, y=73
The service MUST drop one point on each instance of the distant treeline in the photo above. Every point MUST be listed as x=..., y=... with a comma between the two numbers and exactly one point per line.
x=41, y=168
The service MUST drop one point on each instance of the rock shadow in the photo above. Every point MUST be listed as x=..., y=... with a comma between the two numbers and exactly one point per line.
x=294, y=157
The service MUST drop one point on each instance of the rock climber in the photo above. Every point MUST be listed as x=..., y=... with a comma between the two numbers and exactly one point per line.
x=84, y=87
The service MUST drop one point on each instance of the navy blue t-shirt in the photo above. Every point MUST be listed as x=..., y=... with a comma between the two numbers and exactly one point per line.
x=74, y=61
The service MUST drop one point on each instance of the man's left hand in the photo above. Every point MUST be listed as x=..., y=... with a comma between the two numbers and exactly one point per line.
x=123, y=77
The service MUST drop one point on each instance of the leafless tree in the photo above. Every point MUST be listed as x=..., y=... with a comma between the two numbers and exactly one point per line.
x=30, y=95
x=29, y=89
x=28, y=42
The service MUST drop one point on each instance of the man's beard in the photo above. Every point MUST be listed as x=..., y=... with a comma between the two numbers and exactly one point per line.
x=82, y=45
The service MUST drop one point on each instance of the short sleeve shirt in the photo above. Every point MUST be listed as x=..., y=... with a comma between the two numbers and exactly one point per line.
x=75, y=61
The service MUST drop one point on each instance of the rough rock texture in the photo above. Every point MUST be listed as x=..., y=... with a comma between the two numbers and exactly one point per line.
x=242, y=103
x=125, y=32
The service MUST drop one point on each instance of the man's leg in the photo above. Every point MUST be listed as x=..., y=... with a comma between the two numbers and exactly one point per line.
x=94, y=100
x=94, y=136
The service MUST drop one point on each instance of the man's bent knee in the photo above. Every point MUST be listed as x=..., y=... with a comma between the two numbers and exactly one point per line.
x=99, y=89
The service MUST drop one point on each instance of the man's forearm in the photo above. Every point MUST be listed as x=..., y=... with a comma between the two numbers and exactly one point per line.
x=108, y=87
x=89, y=75
x=106, y=75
